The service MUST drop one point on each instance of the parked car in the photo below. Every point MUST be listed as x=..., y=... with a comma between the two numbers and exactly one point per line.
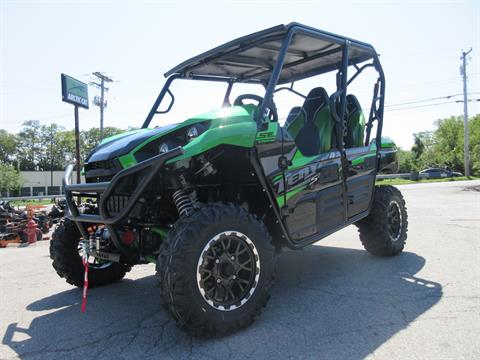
x=437, y=173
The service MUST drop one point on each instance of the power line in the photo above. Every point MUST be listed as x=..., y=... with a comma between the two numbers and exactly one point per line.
x=428, y=105
x=429, y=99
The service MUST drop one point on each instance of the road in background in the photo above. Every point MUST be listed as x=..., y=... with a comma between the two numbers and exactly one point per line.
x=331, y=301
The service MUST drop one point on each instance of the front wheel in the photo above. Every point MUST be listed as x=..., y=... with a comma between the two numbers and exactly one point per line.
x=384, y=231
x=216, y=270
x=67, y=262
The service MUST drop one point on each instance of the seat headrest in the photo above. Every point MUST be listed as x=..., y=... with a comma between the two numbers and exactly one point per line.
x=292, y=115
x=315, y=98
x=353, y=104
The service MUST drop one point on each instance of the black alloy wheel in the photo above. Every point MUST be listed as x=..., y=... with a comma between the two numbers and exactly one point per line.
x=228, y=270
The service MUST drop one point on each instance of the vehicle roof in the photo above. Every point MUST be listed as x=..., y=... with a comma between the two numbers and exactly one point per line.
x=251, y=58
x=433, y=169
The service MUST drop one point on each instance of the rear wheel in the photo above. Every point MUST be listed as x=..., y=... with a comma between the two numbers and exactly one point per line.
x=38, y=234
x=216, y=270
x=384, y=231
x=65, y=252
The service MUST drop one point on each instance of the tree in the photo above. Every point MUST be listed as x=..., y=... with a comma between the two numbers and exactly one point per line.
x=444, y=146
x=8, y=145
x=29, y=145
x=10, y=179
x=422, y=150
x=418, y=146
x=405, y=161
x=474, y=142
x=64, y=149
x=58, y=147
x=449, y=142
x=90, y=138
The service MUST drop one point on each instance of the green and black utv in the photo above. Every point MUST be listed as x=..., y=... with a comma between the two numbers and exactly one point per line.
x=211, y=200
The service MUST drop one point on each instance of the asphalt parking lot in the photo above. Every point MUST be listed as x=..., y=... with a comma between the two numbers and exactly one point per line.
x=331, y=300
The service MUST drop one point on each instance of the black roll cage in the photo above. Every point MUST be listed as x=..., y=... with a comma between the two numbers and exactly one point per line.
x=337, y=99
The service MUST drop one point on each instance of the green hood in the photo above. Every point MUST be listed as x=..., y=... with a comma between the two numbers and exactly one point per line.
x=126, y=144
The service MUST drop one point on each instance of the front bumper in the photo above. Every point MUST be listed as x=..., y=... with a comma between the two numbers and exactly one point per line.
x=103, y=191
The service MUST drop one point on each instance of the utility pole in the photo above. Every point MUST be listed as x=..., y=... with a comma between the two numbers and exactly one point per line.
x=77, y=147
x=51, y=157
x=463, y=71
x=100, y=101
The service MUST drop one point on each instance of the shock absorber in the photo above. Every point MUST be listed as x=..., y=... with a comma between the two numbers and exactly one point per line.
x=182, y=202
x=181, y=197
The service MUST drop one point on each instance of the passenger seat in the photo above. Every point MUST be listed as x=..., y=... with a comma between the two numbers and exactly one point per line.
x=311, y=125
x=355, y=123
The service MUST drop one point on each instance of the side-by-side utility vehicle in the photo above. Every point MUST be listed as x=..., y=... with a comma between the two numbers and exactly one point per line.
x=212, y=199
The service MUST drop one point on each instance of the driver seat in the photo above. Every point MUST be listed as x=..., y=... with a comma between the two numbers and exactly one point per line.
x=311, y=125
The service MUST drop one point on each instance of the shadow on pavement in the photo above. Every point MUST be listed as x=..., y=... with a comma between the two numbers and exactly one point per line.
x=328, y=303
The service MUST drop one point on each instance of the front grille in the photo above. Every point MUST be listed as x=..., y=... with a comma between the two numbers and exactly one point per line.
x=103, y=164
x=102, y=170
x=116, y=203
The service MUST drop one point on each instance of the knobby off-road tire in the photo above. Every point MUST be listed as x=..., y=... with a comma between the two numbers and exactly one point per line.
x=195, y=271
x=384, y=231
x=68, y=263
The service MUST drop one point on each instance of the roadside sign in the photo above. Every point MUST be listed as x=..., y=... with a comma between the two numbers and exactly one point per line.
x=74, y=91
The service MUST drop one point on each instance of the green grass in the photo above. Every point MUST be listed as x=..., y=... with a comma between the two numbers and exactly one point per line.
x=31, y=202
x=421, y=181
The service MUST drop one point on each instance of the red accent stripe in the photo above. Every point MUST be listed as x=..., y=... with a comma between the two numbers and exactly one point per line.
x=85, y=285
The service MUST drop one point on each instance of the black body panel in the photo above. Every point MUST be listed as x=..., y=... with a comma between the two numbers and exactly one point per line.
x=361, y=179
x=124, y=144
x=318, y=206
x=359, y=193
x=302, y=222
x=330, y=208
x=388, y=160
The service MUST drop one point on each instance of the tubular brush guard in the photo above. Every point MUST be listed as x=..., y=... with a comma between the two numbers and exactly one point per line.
x=104, y=190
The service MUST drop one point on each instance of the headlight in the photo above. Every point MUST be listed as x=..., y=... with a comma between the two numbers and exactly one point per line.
x=192, y=132
x=163, y=148
x=196, y=130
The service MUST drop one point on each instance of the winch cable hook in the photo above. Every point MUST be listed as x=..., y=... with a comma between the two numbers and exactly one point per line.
x=85, y=277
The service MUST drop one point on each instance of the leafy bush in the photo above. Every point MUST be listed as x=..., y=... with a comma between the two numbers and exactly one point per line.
x=10, y=179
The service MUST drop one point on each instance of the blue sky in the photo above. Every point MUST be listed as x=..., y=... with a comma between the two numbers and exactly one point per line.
x=135, y=42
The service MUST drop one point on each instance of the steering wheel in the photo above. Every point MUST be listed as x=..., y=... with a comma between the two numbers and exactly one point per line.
x=273, y=115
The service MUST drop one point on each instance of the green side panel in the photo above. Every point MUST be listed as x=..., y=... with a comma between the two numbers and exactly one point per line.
x=280, y=201
x=388, y=143
x=299, y=160
x=220, y=119
x=324, y=123
x=231, y=126
x=238, y=134
x=268, y=135
x=361, y=159
x=277, y=177
x=297, y=124
x=127, y=160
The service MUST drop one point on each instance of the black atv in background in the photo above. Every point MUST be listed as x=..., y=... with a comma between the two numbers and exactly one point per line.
x=212, y=198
